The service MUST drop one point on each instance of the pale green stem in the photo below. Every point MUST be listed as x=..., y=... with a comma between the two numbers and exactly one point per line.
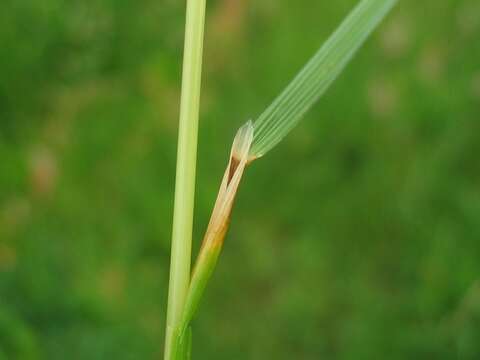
x=186, y=166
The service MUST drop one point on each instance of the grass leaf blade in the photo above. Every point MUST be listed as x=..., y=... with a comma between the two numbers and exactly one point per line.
x=317, y=75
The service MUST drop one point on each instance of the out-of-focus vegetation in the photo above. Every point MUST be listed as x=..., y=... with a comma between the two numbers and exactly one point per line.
x=357, y=239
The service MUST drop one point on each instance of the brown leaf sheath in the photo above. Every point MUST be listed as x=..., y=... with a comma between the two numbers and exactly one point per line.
x=219, y=221
x=220, y=218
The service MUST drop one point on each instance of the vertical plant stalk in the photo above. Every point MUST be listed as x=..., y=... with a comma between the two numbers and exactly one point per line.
x=186, y=167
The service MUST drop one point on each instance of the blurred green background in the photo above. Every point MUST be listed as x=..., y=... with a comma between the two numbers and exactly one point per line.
x=357, y=238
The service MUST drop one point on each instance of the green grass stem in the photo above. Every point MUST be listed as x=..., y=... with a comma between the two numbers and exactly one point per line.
x=185, y=172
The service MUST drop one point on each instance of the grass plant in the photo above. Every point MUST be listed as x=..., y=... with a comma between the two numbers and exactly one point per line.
x=253, y=140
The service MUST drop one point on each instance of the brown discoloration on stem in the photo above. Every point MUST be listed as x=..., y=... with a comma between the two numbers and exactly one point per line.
x=234, y=162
